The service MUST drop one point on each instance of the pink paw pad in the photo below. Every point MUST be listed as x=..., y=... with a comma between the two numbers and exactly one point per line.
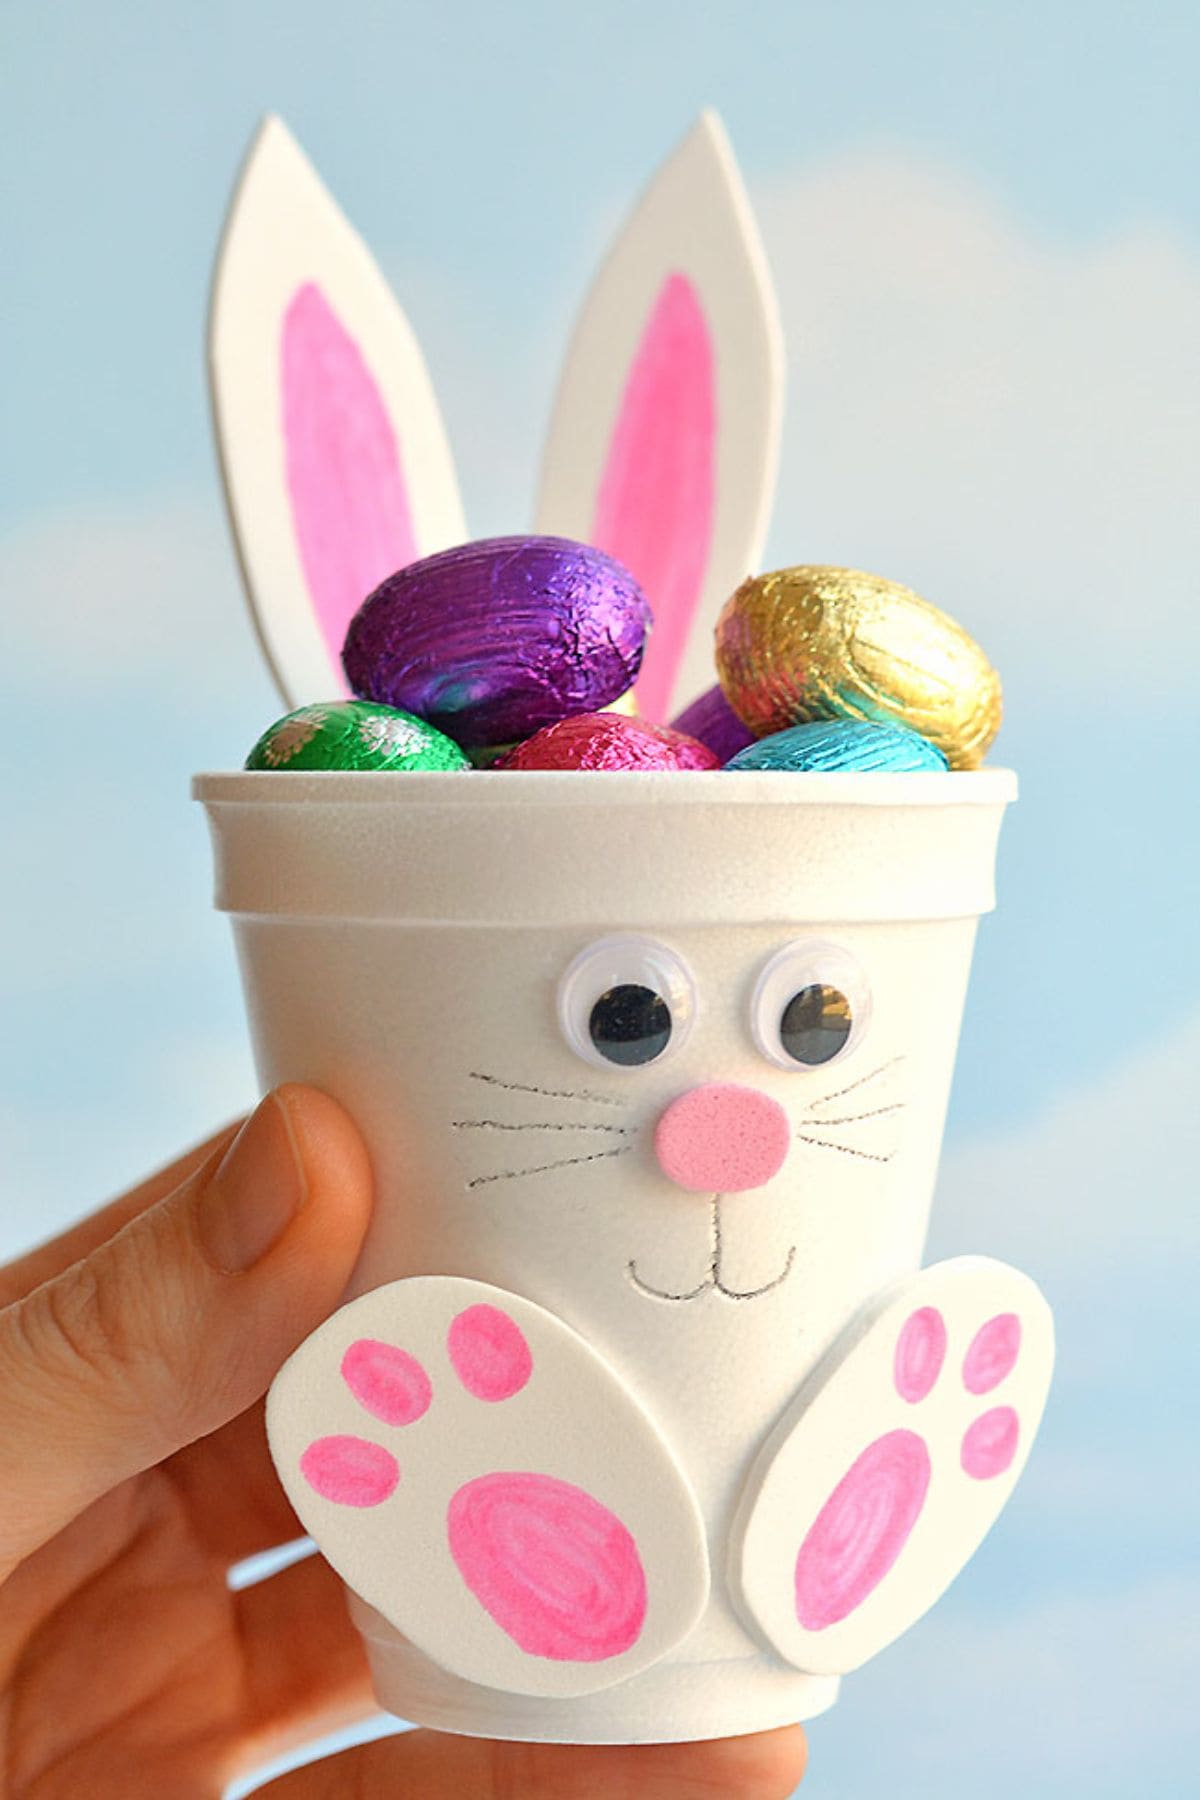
x=489, y=1353
x=350, y=1471
x=992, y=1354
x=990, y=1444
x=861, y=1529
x=920, y=1353
x=555, y=1569
x=393, y=1387
x=387, y=1381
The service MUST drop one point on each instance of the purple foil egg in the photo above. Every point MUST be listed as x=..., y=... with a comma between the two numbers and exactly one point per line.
x=490, y=641
x=714, y=722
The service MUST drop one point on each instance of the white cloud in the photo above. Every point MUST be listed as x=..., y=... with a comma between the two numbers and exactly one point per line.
x=1013, y=426
x=107, y=600
x=1073, y=1693
x=1104, y=1182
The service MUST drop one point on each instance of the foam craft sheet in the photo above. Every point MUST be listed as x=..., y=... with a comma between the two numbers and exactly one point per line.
x=333, y=454
x=884, y=1477
x=478, y=1474
x=664, y=439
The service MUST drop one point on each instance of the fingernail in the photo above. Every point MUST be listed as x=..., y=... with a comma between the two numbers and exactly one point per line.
x=255, y=1193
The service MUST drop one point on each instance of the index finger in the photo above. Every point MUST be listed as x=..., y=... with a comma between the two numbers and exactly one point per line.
x=765, y=1766
x=27, y=1272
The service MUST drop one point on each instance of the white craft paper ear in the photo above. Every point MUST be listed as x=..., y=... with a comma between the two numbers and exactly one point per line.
x=334, y=458
x=663, y=444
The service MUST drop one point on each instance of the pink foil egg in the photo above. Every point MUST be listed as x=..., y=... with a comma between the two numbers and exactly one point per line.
x=608, y=740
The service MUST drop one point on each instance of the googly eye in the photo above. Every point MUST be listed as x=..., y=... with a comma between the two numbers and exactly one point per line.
x=811, y=1005
x=626, y=1001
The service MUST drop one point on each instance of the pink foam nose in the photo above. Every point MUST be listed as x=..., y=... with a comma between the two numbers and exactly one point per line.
x=720, y=1139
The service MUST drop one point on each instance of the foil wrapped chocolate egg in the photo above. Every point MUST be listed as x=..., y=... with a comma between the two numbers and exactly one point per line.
x=608, y=740
x=490, y=641
x=711, y=719
x=353, y=734
x=825, y=643
x=838, y=746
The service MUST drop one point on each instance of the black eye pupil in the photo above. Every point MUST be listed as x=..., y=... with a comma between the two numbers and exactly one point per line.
x=630, y=1024
x=816, y=1023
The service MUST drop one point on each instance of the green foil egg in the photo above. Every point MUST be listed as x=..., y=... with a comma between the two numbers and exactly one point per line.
x=354, y=734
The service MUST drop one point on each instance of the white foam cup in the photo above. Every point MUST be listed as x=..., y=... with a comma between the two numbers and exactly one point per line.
x=430, y=948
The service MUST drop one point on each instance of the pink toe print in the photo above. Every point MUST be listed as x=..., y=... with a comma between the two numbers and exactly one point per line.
x=489, y=1353
x=389, y=1382
x=861, y=1529
x=993, y=1353
x=350, y=1471
x=990, y=1444
x=553, y=1567
x=920, y=1353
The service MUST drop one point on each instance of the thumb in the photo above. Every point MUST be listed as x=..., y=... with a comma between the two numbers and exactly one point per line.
x=179, y=1322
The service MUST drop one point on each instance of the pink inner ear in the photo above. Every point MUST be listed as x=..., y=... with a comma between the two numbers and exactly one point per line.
x=344, y=476
x=654, y=510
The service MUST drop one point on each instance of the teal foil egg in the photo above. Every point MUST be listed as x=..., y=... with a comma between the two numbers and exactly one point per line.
x=834, y=746
x=354, y=734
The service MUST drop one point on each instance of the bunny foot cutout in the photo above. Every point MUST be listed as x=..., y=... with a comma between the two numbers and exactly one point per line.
x=482, y=1478
x=887, y=1473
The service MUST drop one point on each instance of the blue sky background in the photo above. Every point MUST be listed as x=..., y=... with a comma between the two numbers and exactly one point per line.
x=985, y=228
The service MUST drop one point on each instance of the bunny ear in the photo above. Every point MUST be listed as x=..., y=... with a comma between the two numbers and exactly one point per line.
x=664, y=441
x=333, y=454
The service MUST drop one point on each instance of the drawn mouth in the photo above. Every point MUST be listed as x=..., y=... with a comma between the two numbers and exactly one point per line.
x=713, y=1281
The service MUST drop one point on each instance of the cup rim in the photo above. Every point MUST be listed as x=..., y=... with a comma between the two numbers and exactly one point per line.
x=633, y=787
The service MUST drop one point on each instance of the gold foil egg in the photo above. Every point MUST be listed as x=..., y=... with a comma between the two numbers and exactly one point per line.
x=816, y=642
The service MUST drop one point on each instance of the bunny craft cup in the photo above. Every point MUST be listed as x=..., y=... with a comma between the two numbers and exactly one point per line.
x=641, y=1421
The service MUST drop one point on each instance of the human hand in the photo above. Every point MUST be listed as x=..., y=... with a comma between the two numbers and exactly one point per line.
x=134, y=1353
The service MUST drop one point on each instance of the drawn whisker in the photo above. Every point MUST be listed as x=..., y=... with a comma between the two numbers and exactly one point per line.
x=525, y=1087
x=537, y=1125
x=565, y=1162
x=877, y=1112
x=846, y=1149
x=861, y=1082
